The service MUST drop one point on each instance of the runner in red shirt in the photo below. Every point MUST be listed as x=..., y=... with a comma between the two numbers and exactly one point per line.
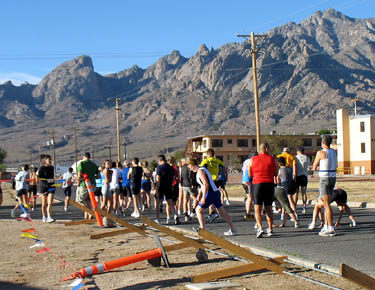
x=263, y=169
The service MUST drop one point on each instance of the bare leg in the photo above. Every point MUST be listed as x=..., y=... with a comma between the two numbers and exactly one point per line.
x=199, y=211
x=258, y=216
x=269, y=216
x=304, y=195
x=327, y=210
x=157, y=207
x=248, y=203
x=226, y=217
x=44, y=205
x=292, y=203
x=50, y=204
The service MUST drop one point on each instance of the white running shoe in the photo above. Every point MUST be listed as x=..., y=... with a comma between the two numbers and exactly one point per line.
x=50, y=220
x=311, y=226
x=352, y=224
x=230, y=233
x=304, y=209
x=157, y=221
x=296, y=225
x=269, y=233
x=213, y=217
x=255, y=227
x=168, y=221
x=24, y=215
x=44, y=219
x=135, y=214
x=327, y=233
x=227, y=203
x=259, y=233
x=281, y=217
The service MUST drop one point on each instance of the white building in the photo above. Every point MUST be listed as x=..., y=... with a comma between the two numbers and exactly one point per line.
x=355, y=143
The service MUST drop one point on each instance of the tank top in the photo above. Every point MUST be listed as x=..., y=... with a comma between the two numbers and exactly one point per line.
x=327, y=166
x=114, y=184
x=245, y=172
x=286, y=174
x=212, y=186
x=136, y=175
x=263, y=168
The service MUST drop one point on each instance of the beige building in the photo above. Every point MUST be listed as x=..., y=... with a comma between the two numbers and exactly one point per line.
x=355, y=143
x=234, y=149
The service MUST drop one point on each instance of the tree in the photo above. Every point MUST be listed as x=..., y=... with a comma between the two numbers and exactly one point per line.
x=153, y=165
x=3, y=154
x=278, y=142
x=178, y=155
x=323, y=132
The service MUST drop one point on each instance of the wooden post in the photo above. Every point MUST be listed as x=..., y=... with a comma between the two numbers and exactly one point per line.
x=268, y=264
x=82, y=207
x=254, y=51
x=357, y=277
x=118, y=131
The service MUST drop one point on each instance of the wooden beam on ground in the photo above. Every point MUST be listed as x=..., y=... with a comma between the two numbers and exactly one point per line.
x=122, y=222
x=176, y=247
x=233, y=271
x=113, y=233
x=241, y=251
x=80, y=222
x=82, y=207
x=172, y=233
x=357, y=277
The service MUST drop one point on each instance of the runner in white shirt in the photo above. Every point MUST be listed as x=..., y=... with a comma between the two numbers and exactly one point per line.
x=67, y=186
x=303, y=163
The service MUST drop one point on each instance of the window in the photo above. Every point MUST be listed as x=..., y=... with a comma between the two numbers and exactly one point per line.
x=362, y=126
x=242, y=143
x=229, y=157
x=217, y=142
x=307, y=142
x=363, y=147
x=220, y=157
x=204, y=143
x=242, y=158
x=319, y=142
x=254, y=142
x=229, y=141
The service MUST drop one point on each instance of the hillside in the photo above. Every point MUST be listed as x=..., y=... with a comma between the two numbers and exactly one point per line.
x=306, y=71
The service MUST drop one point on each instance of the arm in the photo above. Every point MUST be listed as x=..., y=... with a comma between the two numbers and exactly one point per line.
x=319, y=156
x=130, y=172
x=340, y=216
x=294, y=168
x=249, y=168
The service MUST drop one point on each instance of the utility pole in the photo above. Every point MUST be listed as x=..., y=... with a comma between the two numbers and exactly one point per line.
x=124, y=143
x=75, y=150
x=254, y=51
x=118, y=131
x=52, y=142
x=109, y=150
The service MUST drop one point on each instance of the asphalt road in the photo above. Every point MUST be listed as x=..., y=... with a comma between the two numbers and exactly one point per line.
x=352, y=246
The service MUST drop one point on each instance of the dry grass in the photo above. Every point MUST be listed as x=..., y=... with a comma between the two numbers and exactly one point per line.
x=361, y=191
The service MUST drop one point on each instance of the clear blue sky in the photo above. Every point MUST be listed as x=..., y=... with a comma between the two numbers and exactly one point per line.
x=38, y=35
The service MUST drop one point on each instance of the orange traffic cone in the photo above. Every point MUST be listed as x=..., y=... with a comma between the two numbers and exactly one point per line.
x=93, y=200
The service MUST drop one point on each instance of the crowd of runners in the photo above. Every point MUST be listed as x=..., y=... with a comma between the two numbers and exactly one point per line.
x=272, y=185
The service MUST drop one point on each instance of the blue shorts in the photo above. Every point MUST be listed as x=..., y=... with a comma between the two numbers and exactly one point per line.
x=212, y=197
x=146, y=185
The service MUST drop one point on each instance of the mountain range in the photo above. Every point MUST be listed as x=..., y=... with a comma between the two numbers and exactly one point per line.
x=305, y=72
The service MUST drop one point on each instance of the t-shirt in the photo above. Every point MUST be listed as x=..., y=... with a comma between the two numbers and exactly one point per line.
x=185, y=176
x=245, y=171
x=303, y=163
x=212, y=164
x=87, y=167
x=136, y=176
x=67, y=176
x=263, y=168
x=166, y=173
x=125, y=180
x=116, y=173
x=21, y=179
x=339, y=195
x=46, y=174
x=289, y=158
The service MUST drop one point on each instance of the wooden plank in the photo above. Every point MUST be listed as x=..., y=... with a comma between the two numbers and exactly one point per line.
x=357, y=277
x=82, y=207
x=172, y=233
x=241, y=251
x=80, y=222
x=176, y=247
x=233, y=271
x=122, y=222
x=113, y=233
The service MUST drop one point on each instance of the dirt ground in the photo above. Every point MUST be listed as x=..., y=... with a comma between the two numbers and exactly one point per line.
x=22, y=268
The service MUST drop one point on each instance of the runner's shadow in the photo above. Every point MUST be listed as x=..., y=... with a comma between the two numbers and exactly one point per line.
x=156, y=284
x=180, y=265
x=14, y=286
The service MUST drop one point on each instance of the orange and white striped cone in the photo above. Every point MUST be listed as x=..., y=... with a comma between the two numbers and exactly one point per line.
x=94, y=204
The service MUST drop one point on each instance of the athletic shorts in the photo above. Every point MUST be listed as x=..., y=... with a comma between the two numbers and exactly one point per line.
x=175, y=192
x=82, y=194
x=220, y=184
x=146, y=185
x=126, y=191
x=188, y=190
x=282, y=198
x=21, y=192
x=135, y=188
x=247, y=188
x=301, y=181
x=327, y=184
x=46, y=188
x=263, y=193
x=68, y=191
x=33, y=189
x=212, y=197
x=105, y=191
x=115, y=190
x=166, y=193
x=98, y=191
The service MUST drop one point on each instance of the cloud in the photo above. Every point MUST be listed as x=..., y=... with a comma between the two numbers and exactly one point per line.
x=18, y=78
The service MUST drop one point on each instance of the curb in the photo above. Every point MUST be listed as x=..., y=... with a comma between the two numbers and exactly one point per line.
x=353, y=204
x=273, y=254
